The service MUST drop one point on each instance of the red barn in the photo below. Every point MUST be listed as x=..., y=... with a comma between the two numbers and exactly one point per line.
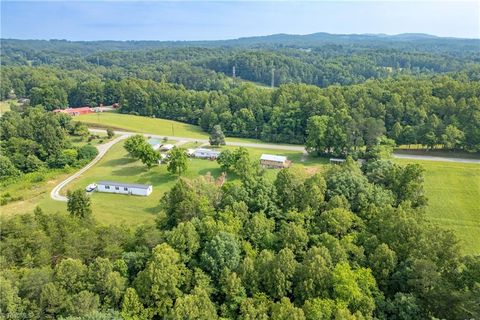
x=75, y=111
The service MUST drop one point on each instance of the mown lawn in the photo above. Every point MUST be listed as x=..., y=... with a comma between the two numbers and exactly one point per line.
x=117, y=166
x=453, y=191
x=154, y=126
x=143, y=124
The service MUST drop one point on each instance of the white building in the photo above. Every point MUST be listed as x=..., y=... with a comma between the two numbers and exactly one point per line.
x=155, y=143
x=205, y=153
x=124, y=188
x=273, y=161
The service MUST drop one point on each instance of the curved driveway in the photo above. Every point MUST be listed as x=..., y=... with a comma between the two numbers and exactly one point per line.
x=102, y=149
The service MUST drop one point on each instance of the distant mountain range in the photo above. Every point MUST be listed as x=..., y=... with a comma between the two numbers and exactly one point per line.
x=408, y=41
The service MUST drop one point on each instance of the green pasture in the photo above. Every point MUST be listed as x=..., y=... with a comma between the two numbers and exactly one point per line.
x=156, y=126
x=453, y=191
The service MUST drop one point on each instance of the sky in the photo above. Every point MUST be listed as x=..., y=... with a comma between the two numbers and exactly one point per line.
x=212, y=20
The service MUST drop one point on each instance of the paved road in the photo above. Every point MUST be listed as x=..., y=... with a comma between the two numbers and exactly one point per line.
x=102, y=150
x=292, y=147
x=229, y=143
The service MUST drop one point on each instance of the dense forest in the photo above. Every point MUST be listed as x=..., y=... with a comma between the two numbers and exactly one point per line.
x=346, y=91
x=350, y=243
x=431, y=110
x=36, y=140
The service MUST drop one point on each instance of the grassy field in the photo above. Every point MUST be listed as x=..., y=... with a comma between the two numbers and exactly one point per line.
x=453, y=191
x=154, y=126
x=117, y=166
x=143, y=124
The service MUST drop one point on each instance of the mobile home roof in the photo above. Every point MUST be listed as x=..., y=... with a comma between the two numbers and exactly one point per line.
x=124, y=185
x=271, y=157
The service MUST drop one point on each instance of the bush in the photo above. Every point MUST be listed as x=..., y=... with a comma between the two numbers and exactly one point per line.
x=87, y=152
x=7, y=169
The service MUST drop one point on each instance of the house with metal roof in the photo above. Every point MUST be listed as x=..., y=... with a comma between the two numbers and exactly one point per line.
x=274, y=161
x=124, y=188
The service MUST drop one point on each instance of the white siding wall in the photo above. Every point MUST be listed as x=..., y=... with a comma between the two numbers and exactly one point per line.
x=121, y=190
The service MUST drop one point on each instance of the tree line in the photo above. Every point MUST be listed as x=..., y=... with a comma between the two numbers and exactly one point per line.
x=349, y=243
x=437, y=111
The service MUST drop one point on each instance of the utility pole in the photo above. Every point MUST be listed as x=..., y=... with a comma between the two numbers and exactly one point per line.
x=173, y=131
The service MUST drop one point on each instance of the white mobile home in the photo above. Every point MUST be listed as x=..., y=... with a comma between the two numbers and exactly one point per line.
x=124, y=188
x=206, y=153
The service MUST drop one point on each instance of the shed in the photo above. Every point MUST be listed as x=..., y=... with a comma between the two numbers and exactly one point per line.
x=274, y=161
x=337, y=161
x=205, y=153
x=124, y=188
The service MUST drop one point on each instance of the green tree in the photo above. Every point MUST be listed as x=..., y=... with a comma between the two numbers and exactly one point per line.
x=159, y=284
x=316, y=141
x=285, y=310
x=217, y=138
x=87, y=152
x=79, y=204
x=226, y=160
x=135, y=145
x=7, y=169
x=71, y=274
x=148, y=156
x=132, y=308
x=194, y=306
x=177, y=161
x=453, y=137
x=223, y=251
x=110, y=133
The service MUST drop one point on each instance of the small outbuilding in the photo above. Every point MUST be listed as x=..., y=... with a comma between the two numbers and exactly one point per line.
x=124, y=188
x=337, y=161
x=205, y=153
x=273, y=161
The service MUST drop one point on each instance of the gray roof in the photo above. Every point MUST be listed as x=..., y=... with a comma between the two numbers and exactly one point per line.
x=124, y=185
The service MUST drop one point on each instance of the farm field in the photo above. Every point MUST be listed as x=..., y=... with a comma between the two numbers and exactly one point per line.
x=453, y=191
x=154, y=126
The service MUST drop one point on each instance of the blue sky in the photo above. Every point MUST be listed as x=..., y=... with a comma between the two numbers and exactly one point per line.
x=200, y=20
